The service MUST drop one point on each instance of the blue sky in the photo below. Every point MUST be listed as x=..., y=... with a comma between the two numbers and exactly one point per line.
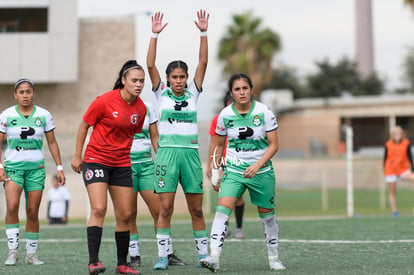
x=310, y=31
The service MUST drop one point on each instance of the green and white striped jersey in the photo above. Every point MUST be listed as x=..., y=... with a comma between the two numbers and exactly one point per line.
x=178, y=117
x=25, y=137
x=141, y=143
x=246, y=135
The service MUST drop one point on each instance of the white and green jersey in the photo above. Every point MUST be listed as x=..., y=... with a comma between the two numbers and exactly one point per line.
x=25, y=137
x=178, y=117
x=246, y=135
x=141, y=144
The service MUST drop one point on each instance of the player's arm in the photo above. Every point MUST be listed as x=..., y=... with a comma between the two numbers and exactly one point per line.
x=213, y=141
x=272, y=138
x=55, y=152
x=202, y=25
x=154, y=136
x=2, y=172
x=410, y=156
x=217, y=158
x=157, y=27
x=80, y=141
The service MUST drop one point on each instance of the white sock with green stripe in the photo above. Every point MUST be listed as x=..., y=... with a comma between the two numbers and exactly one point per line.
x=12, y=233
x=201, y=240
x=32, y=240
x=164, y=242
x=133, y=249
x=218, y=230
x=271, y=230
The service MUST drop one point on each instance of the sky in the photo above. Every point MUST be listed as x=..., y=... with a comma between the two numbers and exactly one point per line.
x=310, y=31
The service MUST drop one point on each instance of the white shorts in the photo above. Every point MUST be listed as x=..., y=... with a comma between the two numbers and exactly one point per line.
x=394, y=178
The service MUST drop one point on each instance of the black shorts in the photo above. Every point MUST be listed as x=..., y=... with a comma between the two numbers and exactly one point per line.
x=116, y=176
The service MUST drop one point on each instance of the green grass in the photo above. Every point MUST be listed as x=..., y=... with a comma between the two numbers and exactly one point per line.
x=367, y=245
x=298, y=203
x=312, y=240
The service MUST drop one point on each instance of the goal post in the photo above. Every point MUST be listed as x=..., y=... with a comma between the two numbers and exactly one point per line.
x=349, y=134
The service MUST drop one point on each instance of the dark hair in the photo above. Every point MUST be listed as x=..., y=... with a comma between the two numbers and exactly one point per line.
x=23, y=80
x=130, y=64
x=237, y=77
x=175, y=65
x=227, y=99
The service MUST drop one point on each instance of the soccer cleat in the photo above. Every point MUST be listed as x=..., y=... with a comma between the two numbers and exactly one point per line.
x=174, y=260
x=211, y=263
x=161, y=264
x=395, y=214
x=32, y=259
x=96, y=268
x=12, y=258
x=200, y=257
x=239, y=233
x=275, y=263
x=124, y=269
x=135, y=261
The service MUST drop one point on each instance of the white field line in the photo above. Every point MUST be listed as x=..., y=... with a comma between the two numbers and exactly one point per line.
x=77, y=240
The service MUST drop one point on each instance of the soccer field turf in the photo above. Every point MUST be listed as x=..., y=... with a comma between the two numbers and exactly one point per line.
x=367, y=245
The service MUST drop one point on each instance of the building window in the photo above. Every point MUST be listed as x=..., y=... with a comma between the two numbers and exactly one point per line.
x=23, y=19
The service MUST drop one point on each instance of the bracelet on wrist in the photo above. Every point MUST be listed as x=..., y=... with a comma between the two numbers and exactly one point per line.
x=155, y=35
x=204, y=33
x=59, y=167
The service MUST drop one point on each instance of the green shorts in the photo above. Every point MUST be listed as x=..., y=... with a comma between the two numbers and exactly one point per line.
x=28, y=180
x=261, y=187
x=178, y=164
x=143, y=176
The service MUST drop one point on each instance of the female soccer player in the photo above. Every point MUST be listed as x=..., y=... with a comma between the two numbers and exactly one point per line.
x=239, y=211
x=115, y=117
x=250, y=128
x=398, y=164
x=143, y=178
x=24, y=126
x=177, y=157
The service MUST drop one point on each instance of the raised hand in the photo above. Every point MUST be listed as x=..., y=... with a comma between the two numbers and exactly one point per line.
x=157, y=25
x=202, y=23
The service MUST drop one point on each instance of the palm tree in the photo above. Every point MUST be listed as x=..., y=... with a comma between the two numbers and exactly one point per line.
x=245, y=48
x=409, y=3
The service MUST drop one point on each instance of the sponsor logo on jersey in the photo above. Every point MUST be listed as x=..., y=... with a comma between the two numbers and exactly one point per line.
x=115, y=114
x=134, y=119
x=179, y=105
x=256, y=120
x=88, y=174
x=38, y=122
x=161, y=182
x=230, y=123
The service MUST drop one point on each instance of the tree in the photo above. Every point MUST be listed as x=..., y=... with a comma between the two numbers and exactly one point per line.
x=333, y=80
x=247, y=48
x=408, y=65
x=285, y=77
x=409, y=3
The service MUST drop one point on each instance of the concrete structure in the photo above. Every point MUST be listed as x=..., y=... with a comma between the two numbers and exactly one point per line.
x=49, y=56
x=311, y=127
x=364, y=38
x=104, y=45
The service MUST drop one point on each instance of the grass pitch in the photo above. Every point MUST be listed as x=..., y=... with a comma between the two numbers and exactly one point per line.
x=366, y=245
